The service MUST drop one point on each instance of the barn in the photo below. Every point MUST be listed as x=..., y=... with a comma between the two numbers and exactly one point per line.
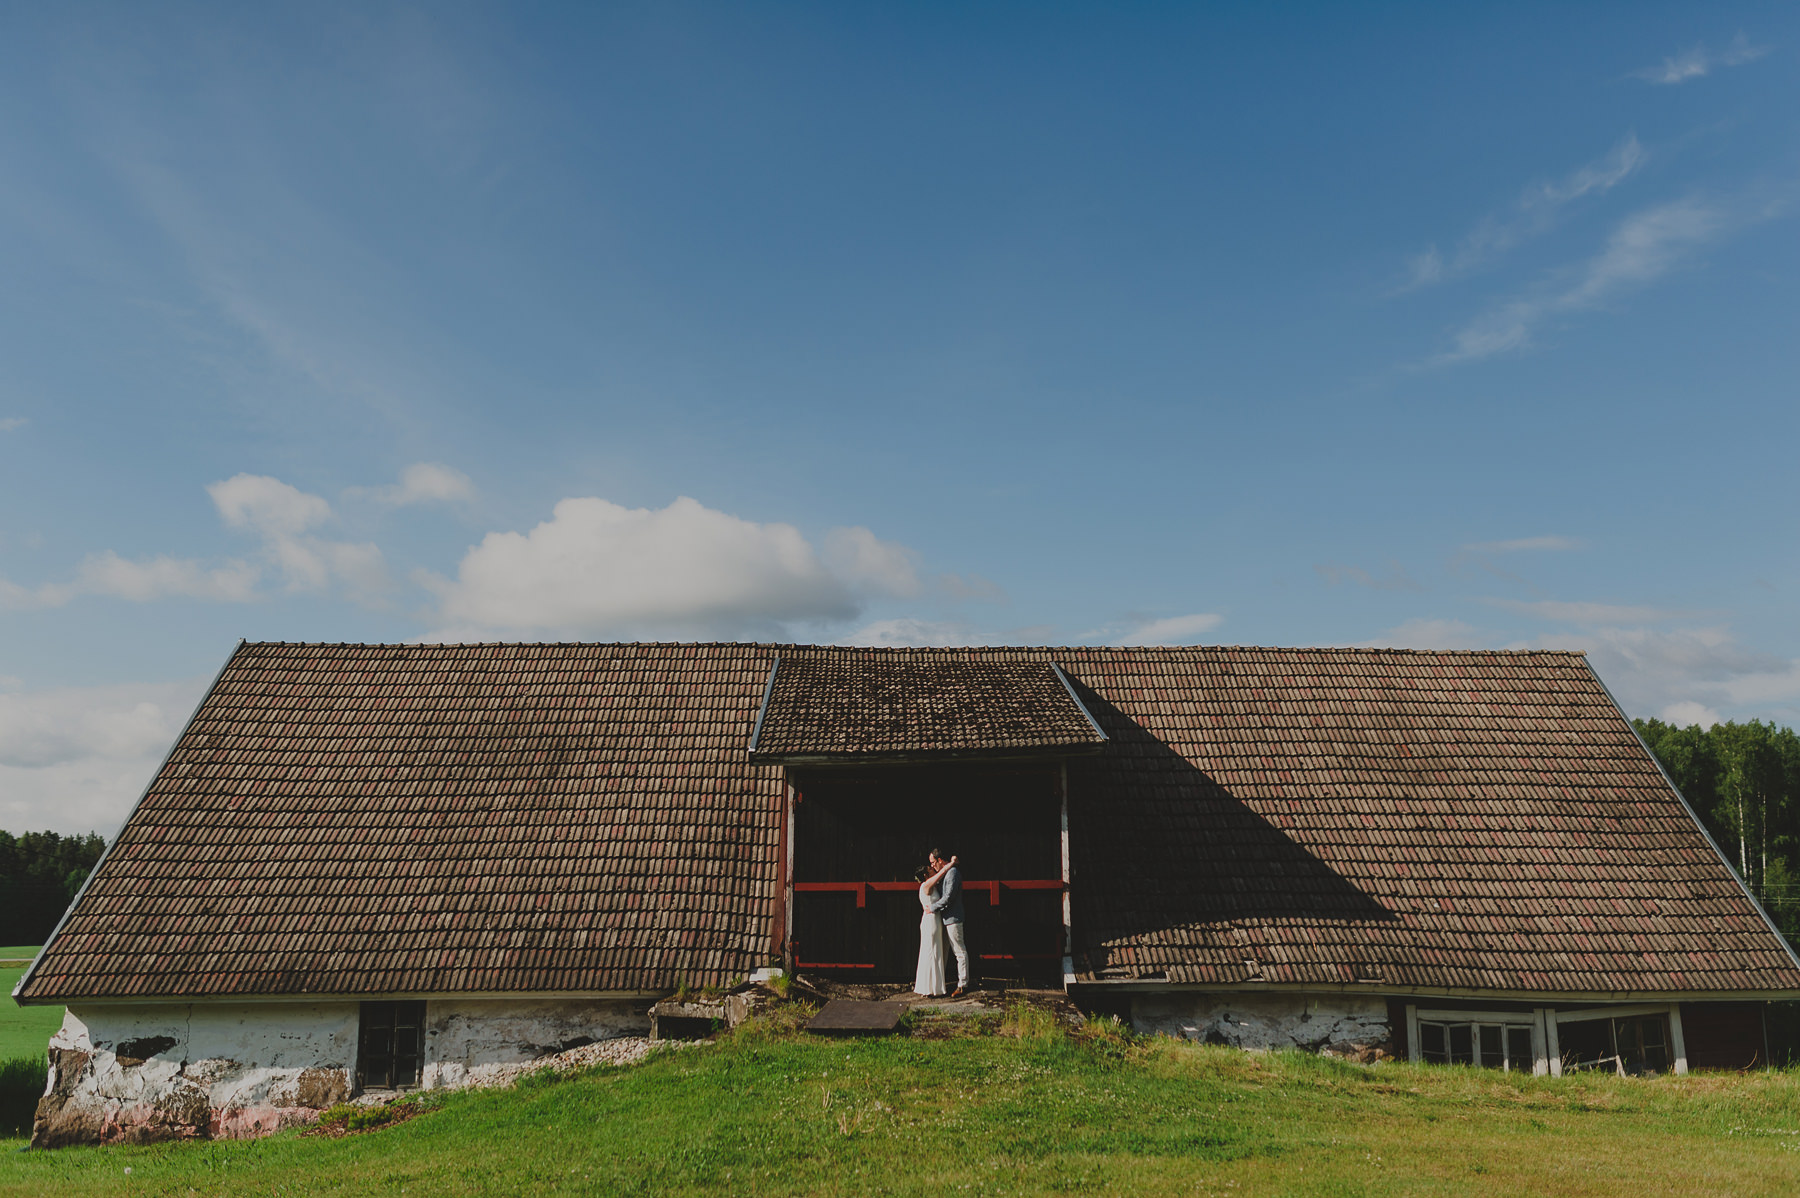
x=367, y=867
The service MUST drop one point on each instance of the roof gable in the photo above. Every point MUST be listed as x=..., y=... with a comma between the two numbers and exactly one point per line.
x=858, y=706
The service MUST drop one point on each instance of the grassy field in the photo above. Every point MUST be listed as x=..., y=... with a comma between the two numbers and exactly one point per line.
x=24, y=1031
x=1032, y=1113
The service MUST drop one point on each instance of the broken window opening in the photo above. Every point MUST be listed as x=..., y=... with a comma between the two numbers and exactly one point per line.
x=1632, y=1044
x=390, y=1046
x=1504, y=1046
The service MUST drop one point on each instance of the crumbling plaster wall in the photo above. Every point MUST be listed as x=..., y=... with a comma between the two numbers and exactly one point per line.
x=1352, y=1026
x=139, y=1073
x=469, y=1041
x=146, y=1072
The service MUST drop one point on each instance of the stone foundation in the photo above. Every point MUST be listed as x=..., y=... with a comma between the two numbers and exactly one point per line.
x=1347, y=1026
x=140, y=1073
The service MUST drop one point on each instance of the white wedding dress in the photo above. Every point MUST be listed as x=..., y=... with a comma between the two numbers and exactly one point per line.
x=930, y=979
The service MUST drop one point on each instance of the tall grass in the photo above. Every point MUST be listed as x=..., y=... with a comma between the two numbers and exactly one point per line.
x=22, y=1081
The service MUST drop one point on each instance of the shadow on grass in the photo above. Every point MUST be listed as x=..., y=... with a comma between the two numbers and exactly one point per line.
x=22, y=1081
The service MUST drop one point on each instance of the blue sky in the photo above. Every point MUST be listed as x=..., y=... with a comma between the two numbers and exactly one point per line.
x=1302, y=325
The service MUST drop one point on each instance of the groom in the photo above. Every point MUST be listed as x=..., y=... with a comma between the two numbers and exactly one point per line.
x=949, y=906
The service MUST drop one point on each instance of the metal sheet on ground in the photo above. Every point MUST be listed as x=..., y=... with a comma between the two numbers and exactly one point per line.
x=851, y=1017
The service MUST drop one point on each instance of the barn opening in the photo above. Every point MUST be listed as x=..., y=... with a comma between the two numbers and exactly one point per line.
x=860, y=835
x=887, y=757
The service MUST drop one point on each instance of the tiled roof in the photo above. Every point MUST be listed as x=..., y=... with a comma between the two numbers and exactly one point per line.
x=870, y=702
x=380, y=819
x=401, y=818
x=1476, y=820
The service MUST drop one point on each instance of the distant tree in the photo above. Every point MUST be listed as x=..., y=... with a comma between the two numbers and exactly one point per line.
x=1743, y=781
x=40, y=874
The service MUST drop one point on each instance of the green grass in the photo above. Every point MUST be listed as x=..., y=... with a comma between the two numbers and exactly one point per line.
x=24, y=1031
x=19, y=952
x=1030, y=1112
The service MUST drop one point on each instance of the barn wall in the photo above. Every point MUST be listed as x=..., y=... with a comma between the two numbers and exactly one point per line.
x=1338, y=1025
x=1724, y=1035
x=469, y=1041
x=139, y=1073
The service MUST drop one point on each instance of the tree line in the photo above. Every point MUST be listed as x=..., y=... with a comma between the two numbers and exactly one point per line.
x=1743, y=781
x=40, y=873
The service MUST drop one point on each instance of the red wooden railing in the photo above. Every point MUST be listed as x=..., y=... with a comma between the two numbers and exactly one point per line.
x=992, y=886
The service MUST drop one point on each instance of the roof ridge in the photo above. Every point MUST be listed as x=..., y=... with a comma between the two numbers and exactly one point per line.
x=905, y=649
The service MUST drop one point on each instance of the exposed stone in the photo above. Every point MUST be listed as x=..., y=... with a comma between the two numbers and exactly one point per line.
x=136, y=1052
x=320, y=1088
x=1348, y=1026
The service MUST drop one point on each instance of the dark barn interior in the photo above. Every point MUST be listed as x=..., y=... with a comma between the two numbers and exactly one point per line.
x=859, y=835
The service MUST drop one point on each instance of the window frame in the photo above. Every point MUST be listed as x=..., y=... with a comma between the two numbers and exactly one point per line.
x=380, y=1024
x=1546, y=1042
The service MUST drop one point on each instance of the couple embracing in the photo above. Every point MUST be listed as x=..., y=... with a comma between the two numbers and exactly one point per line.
x=940, y=893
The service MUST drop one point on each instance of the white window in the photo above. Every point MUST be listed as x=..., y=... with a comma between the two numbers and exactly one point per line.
x=1491, y=1045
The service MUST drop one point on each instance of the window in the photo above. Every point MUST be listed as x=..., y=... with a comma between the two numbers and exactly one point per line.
x=391, y=1045
x=1621, y=1044
x=1490, y=1045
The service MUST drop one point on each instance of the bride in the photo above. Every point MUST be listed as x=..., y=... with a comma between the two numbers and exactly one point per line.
x=930, y=979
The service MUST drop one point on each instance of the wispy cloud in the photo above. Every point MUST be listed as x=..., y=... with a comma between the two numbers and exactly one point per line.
x=1642, y=249
x=11, y=423
x=1699, y=62
x=1563, y=612
x=1145, y=630
x=421, y=482
x=909, y=632
x=1395, y=579
x=284, y=520
x=1532, y=214
x=1687, y=673
x=1523, y=545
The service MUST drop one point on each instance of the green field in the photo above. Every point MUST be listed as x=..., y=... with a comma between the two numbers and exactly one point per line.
x=1040, y=1112
x=24, y=1031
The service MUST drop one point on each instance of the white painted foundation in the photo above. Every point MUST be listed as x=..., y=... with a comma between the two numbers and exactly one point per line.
x=146, y=1072
x=1335, y=1024
x=472, y=1041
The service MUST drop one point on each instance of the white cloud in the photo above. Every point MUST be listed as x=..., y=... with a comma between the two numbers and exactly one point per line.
x=1522, y=545
x=1643, y=248
x=1650, y=669
x=1699, y=62
x=1585, y=613
x=423, y=482
x=74, y=759
x=1427, y=633
x=1169, y=630
x=1688, y=713
x=267, y=506
x=11, y=423
x=860, y=558
x=597, y=567
x=281, y=515
x=278, y=514
x=1534, y=213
